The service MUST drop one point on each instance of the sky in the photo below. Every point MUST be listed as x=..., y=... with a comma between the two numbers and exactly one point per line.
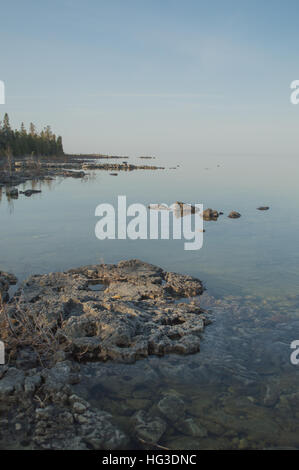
x=144, y=77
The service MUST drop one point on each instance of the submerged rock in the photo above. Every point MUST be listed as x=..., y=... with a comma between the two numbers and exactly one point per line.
x=172, y=408
x=73, y=424
x=263, y=208
x=148, y=428
x=191, y=427
x=42, y=406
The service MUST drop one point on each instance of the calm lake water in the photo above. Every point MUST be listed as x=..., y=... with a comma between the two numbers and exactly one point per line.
x=241, y=390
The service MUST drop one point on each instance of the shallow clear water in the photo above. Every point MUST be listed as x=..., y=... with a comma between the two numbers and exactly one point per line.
x=242, y=387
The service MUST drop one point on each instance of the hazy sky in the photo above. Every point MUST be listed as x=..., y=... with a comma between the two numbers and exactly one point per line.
x=154, y=76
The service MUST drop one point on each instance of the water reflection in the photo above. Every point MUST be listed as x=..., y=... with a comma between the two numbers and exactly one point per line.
x=27, y=189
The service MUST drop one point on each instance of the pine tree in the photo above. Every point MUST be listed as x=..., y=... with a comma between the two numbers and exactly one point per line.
x=32, y=130
x=21, y=143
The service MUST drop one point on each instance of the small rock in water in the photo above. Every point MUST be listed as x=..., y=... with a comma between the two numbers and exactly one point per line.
x=234, y=215
x=12, y=192
x=263, y=208
x=29, y=192
x=210, y=214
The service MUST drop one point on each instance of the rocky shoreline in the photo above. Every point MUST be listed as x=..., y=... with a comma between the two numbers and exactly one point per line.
x=57, y=323
x=19, y=171
x=60, y=390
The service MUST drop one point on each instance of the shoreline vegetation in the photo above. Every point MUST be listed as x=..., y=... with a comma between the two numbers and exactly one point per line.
x=29, y=155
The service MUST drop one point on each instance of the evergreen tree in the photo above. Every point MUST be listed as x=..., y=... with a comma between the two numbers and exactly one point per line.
x=21, y=143
x=6, y=125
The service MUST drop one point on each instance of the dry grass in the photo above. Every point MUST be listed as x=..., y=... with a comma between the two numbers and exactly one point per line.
x=20, y=329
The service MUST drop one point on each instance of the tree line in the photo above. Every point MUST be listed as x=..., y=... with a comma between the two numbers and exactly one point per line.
x=28, y=142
